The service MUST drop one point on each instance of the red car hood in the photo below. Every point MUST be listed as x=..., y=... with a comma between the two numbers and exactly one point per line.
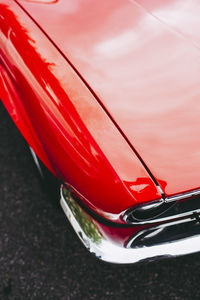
x=142, y=60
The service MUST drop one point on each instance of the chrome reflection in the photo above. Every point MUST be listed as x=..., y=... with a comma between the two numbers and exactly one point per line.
x=167, y=232
x=183, y=196
x=36, y=161
x=84, y=221
x=170, y=208
x=105, y=250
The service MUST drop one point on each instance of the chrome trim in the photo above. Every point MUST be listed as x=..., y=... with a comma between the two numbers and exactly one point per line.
x=182, y=196
x=161, y=226
x=143, y=208
x=36, y=161
x=160, y=191
x=165, y=219
x=150, y=206
x=155, y=204
x=105, y=250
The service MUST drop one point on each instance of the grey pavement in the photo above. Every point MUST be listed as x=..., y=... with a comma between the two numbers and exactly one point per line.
x=41, y=257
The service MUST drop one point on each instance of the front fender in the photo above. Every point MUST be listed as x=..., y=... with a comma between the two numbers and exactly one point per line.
x=64, y=123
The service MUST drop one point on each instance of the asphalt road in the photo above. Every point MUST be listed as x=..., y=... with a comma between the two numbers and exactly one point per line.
x=41, y=257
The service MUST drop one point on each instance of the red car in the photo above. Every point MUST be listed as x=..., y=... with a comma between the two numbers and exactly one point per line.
x=107, y=95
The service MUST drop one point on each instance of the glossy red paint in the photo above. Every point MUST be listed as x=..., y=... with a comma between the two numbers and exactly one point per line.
x=142, y=60
x=42, y=1
x=63, y=122
x=16, y=110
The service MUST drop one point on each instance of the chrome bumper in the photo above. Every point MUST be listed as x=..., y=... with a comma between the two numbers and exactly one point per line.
x=108, y=251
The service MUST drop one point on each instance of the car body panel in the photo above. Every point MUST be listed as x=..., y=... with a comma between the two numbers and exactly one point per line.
x=142, y=60
x=13, y=104
x=69, y=130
